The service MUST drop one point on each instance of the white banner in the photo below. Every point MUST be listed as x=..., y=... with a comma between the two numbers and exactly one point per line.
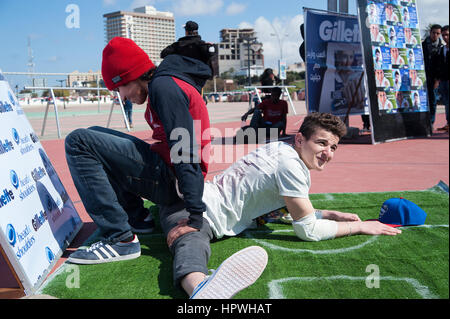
x=37, y=218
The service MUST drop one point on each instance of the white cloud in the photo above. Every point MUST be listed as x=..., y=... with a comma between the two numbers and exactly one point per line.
x=288, y=31
x=54, y=59
x=235, y=8
x=196, y=7
x=432, y=11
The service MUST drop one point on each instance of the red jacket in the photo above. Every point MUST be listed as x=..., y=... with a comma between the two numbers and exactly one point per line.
x=179, y=118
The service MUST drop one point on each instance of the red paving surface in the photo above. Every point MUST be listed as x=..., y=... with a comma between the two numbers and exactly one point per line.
x=413, y=164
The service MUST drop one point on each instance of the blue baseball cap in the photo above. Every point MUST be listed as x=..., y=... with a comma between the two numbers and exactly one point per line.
x=398, y=212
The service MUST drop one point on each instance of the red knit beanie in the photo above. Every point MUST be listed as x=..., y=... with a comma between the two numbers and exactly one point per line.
x=123, y=62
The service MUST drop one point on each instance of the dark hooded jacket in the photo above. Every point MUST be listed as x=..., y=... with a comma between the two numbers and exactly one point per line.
x=191, y=46
x=178, y=116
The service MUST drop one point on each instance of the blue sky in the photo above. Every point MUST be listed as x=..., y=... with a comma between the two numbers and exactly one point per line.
x=57, y=48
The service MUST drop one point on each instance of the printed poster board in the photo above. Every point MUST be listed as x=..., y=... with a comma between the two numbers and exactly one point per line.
x=37, y=218
x=394, y=65
x=334, y=63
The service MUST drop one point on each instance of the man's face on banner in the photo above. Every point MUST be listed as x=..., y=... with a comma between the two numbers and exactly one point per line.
x=344, y=59
x=379, y=75
x=394, y=53
x=381, y=97
x=377, y=55
x=374, y=30
x=389, y=10
x=407, y=32
x=416, y=99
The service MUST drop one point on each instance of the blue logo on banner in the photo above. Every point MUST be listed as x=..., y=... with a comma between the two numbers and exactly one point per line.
x=11, y=234
x=14, y=179
x=49, y=254
x=15, y=135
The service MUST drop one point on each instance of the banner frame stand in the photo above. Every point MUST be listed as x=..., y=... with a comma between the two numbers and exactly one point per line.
x=25, y=287
x=127, y=123
x=11, y=292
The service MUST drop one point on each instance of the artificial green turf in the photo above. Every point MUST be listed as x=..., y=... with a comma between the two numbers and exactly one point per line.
x=414, y=264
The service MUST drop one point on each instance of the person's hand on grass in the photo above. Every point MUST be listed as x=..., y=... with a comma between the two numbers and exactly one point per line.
x=377, y=228
x=340, y=216
x=181, y=229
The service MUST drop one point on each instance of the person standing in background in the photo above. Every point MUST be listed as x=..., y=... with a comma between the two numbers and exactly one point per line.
x=431, y=46
x=442, y=82
x=128, y=108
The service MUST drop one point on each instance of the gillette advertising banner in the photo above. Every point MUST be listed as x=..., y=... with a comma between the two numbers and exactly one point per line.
x=37, y=218
x=334, y=63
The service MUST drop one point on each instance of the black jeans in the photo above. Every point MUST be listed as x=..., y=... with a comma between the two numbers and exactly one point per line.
x=112, y=172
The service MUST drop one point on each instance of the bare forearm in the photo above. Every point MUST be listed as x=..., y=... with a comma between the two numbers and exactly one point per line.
x=365, y=228
x=338, y=216
x=348, y=229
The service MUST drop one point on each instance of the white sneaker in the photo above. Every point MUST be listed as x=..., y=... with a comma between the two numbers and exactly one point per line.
x=236, y=273
x=286, y=219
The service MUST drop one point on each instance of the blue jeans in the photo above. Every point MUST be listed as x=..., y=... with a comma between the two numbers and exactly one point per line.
x=129, y=115
x=431, y=92
x=112, y=172
x=257, y=121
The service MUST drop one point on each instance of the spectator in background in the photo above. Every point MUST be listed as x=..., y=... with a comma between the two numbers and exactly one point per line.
x=268, y=79
x=431, y=46
x=192, y=45
x=128, y=108
x=270, y=113
x=366, y=122
x=442, y=82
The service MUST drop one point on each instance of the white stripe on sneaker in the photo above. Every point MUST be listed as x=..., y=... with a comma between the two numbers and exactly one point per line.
x=112, y=250
x=99, y=256
x=103, y=250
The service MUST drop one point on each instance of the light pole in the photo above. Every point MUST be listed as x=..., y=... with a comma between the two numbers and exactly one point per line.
x=255, y=46
x=280, y=44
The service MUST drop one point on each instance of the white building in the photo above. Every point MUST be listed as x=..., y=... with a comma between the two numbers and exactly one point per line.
x=151, y=30
x=234, y=55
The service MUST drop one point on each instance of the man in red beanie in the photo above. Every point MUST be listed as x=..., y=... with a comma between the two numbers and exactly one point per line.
x=113, y=171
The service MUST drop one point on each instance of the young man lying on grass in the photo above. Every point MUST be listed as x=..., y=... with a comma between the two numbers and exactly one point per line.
x=273, y=176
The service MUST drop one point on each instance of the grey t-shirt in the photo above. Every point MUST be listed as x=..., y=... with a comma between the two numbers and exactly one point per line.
x=254, y=186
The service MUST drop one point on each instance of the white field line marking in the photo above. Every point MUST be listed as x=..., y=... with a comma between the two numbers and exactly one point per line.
x=312, y=251
x=320, y=252
x=276, y=290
